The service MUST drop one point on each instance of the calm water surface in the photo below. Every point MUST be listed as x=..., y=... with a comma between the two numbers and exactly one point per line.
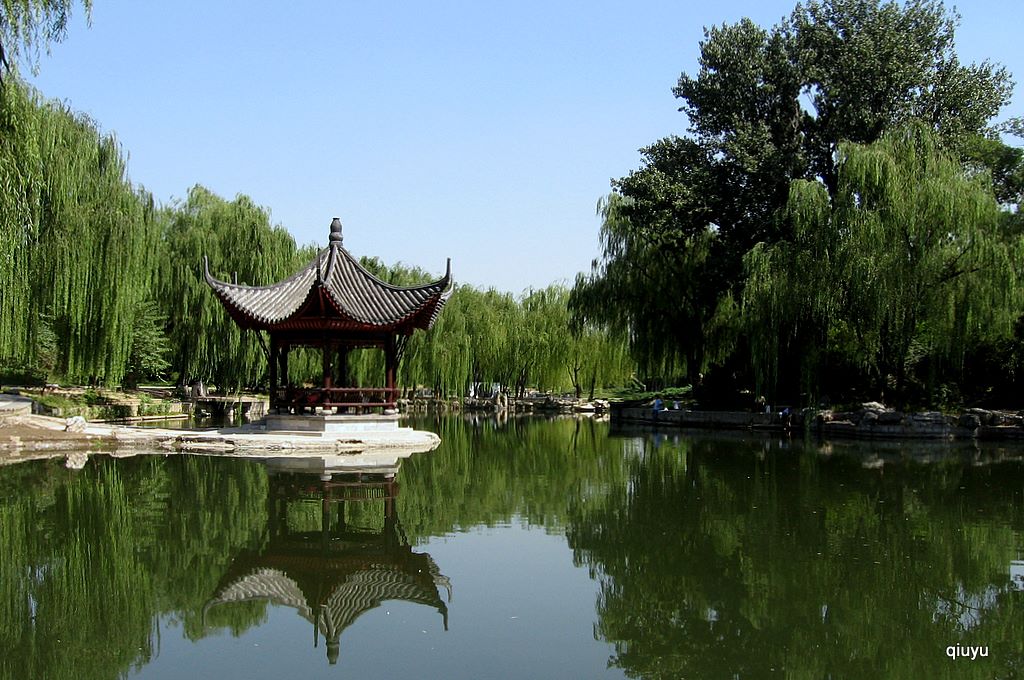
x=528, y=549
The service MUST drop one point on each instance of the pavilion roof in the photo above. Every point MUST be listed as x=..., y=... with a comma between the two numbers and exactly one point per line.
x=334, y=291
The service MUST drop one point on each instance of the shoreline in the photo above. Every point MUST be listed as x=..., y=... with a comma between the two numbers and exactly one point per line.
x=24, y=436
x=871, y=421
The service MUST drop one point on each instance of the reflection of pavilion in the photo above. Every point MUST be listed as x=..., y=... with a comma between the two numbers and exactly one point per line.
x=333, y=575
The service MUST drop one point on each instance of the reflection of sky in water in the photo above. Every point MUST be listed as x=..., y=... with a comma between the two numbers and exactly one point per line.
x=965, y=608
x=519, y=609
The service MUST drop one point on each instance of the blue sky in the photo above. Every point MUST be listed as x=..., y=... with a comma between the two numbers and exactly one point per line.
x=480, y=131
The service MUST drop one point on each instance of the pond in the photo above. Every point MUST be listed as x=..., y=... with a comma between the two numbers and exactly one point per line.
x=524, y=549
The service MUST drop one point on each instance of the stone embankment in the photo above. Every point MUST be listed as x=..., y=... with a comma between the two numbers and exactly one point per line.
x=871, y=421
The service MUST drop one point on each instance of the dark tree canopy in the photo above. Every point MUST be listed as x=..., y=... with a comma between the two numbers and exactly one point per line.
x=868, y=67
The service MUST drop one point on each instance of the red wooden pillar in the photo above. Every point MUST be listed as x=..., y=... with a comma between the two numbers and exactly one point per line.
x=389, y=369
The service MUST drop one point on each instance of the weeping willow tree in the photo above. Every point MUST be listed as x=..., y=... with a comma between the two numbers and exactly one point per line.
x=656, y=290
x=472, y=345
x=907, y=261
x=95, y=559
x=76, y=239
x=441, y=358
x=241, y=245
x=542, y=346
x=491, y=340
x=26, y=26
x=18, y=145
x=596, y=358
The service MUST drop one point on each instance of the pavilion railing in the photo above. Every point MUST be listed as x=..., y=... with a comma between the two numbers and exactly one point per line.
x=355, y=399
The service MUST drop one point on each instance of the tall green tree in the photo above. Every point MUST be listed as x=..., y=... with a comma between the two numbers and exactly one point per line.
x=147, y=358
x=596, y=358
x=869, y=66
x=77, y=239
x=661, y=293
x=766, y=107
x=241, y=245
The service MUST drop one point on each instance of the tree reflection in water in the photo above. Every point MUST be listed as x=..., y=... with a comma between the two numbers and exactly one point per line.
x=715, y=556
x=721, y=560
x=91, y=557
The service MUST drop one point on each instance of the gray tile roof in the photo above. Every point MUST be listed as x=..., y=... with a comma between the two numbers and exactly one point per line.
x=354, y=295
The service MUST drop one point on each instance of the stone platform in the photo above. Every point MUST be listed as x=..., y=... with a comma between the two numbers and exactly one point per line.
x=281, y=434
x=303, y=433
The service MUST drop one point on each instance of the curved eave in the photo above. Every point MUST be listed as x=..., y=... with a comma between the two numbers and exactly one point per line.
x=359, y=295
x=260, y=307
x=441, y=301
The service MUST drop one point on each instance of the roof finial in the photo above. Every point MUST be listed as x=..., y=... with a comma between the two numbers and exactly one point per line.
x=336, y=231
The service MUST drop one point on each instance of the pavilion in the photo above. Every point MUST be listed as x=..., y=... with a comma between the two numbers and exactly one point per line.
x=336, y=305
